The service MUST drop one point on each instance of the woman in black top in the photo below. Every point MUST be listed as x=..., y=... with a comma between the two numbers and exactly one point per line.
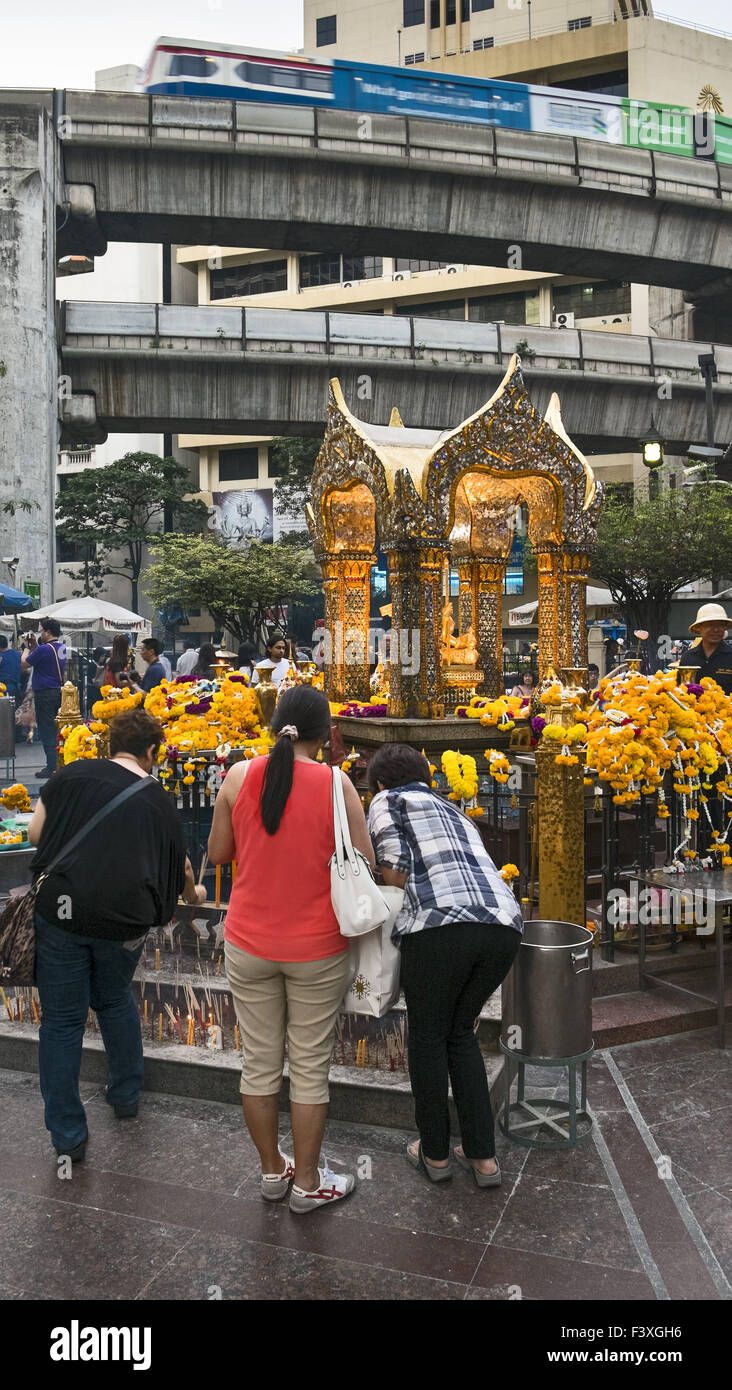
x=92, y=916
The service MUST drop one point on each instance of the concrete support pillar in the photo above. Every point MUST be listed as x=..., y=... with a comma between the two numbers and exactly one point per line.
x=481, y=598
x=415, y=581
x=29, y=385
x=346, y=585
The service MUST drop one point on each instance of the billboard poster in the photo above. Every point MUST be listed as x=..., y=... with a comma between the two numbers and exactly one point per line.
x=243, y=515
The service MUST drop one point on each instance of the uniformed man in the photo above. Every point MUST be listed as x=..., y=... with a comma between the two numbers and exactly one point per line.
x=711, y=652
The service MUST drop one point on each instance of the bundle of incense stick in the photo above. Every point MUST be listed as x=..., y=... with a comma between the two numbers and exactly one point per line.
x=175, y=1020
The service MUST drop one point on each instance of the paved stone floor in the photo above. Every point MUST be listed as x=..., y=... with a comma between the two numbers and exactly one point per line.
x=167, y=1206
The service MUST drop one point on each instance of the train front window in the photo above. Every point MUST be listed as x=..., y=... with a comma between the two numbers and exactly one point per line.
x=192, y=65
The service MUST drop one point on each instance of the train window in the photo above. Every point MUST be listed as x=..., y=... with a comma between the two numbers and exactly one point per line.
x=192, y=65
x=285, y=77
x=315, y=81
x=325, y=30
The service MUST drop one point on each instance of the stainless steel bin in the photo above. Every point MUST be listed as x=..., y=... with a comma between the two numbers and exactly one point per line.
x=7, y=728
x=547, y=999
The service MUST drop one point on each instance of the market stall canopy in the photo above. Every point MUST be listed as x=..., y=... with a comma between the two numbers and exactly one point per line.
x=12, y=601
x=93, y=614
x=524, y=615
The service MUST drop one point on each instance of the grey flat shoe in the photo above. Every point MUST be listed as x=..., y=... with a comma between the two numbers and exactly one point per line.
x=482, y=1179
x=434, y=1174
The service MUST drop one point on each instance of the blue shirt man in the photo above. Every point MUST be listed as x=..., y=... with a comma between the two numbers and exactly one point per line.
x=9, y=669
x=150, y=651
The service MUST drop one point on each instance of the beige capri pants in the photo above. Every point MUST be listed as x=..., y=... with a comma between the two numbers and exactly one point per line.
x=299, y=999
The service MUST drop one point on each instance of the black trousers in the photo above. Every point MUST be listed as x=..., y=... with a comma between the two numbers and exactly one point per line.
x=48, y=704
x=447, y=974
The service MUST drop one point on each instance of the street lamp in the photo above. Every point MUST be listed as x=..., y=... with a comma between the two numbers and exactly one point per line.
x=399, y=48
x=652, y=451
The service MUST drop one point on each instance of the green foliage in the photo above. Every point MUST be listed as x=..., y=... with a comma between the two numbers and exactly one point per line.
x=237, y=586
x=20, y=504
x=647, y=550
x=293, y=460
x=120, y=508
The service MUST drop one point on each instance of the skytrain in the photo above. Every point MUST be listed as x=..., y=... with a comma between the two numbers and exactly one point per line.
x=191, y=68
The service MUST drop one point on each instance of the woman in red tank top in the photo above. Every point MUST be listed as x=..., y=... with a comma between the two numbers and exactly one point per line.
x=286, y=961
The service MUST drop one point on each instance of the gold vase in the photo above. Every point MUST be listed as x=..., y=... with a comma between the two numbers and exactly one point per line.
x=307, y=670
x=633, y=663
x=688, y=675
x=266, y=693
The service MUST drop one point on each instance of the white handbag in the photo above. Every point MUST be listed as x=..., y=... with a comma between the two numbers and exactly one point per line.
x=357, y=901
x=375, y=966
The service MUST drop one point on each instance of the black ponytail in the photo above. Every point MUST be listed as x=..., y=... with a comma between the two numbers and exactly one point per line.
x=308, y=711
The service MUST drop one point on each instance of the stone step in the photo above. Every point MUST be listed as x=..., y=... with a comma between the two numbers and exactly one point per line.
x=657, y=1012
x=360, y=1095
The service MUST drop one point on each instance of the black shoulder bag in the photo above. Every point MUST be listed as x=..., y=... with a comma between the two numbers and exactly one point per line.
x=17, y=932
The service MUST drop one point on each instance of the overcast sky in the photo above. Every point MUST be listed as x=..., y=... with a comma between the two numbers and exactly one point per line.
x=61, y=43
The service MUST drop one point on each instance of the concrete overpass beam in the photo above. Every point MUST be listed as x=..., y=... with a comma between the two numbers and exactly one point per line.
x=79, y=424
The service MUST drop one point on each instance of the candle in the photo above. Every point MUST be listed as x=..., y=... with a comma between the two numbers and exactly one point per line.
x=218, y=886
x=218, y=965
x=160, y=1027
x=34, y=1006
x=233, y=872
x=157, y=958
x=236, y=1036
x=20, y=1009
x=145, y=1012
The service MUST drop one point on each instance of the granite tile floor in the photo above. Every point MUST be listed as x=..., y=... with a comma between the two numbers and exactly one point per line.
x=167, y=1206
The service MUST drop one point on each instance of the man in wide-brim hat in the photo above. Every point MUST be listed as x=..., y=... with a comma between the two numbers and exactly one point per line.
x=711, y=652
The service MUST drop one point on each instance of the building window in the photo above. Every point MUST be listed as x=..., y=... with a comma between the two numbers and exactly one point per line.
x=411, y=58
x=479, y=5
x=603, y=300
x=505, y=308
x=275, y=469
x=434, y=14
x=438, y=309
x=413, y=13
x=514, y=581
x=73, y=552
x=610, y=84
x=362, y=267
x=319, y=270
x=583, y=23
x=237, y=465
x=450, y=12
x=267, y=277
x=483, y=43
x=465, y=10
x=325, y=31
x=419, y=265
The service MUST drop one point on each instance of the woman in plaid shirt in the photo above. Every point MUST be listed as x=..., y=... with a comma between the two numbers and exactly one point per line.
x=459, y=930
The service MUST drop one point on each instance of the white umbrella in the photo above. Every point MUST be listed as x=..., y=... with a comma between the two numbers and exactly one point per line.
x=93, y=614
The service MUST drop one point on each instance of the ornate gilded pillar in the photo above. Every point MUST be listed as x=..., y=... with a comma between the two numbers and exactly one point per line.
x=481, y=598
x=415, y=581
x=346, y=585
x=575, y=568
x=561, y=821
x=552, y=614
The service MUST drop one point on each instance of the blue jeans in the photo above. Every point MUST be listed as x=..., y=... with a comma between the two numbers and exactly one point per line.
x=48, y=704
x=74, y=973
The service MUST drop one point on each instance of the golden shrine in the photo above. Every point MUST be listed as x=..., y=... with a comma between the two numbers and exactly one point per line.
x=429, y=500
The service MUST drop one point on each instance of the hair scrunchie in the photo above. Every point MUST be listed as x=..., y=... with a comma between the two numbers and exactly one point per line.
x=288, y=731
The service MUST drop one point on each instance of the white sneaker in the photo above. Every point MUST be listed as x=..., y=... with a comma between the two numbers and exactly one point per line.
x=333, y=1186
x=275, y=1185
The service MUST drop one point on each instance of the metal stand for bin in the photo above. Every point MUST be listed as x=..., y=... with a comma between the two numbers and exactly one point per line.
x=569, y=1122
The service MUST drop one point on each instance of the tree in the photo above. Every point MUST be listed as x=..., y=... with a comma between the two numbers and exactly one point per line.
x=647, y=551
x=120, y=508
x=293, y=460
x=237, y=586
